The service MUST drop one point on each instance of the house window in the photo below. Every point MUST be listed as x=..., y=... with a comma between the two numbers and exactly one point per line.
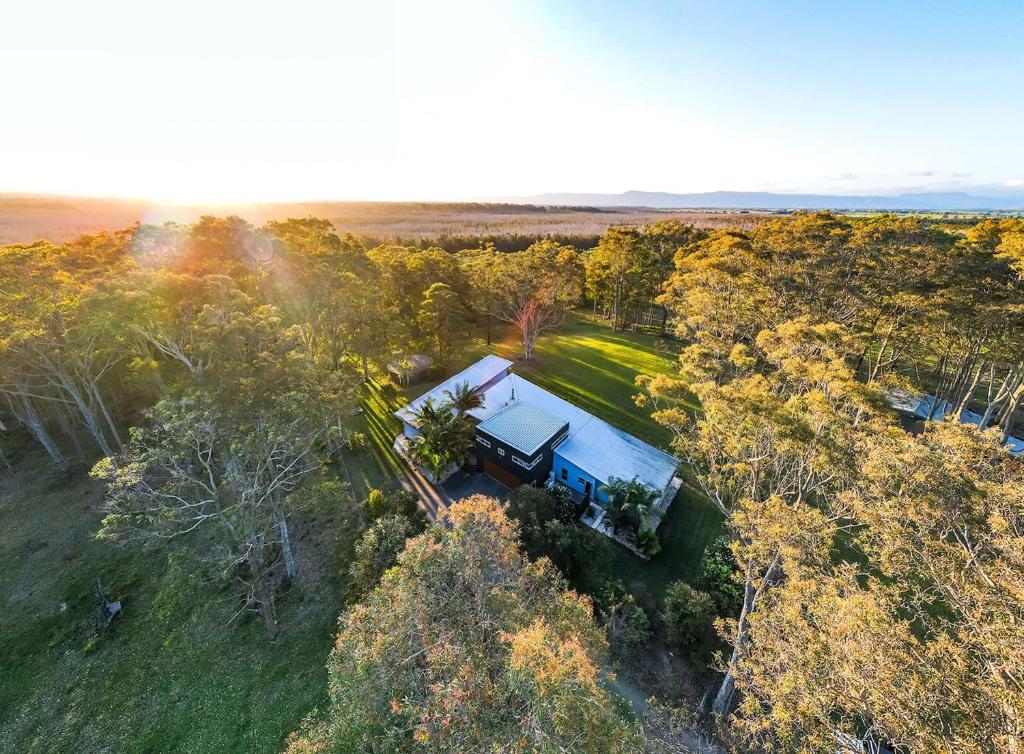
x=524, y=464
x=559, y=440
x=485, y=443
x=501, y=451
x=565, y=474
x=581, y=481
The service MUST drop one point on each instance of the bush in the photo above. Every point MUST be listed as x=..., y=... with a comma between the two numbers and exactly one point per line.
x=688, y=613
x=377, y=550
x=388, y=390
x=398, y=502
x=718, y=577
x=355, y=441
x=647, y=541
x=627, y=626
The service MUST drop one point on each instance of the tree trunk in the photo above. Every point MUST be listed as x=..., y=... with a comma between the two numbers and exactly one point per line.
x=38, y=429
x=3, y=458
x=366, y=369
x=488, y=319
x=88, y=415
x=106, y=415
x=265, y=602
x=723, y=699
x=968, y=392
x=69, y=431
x=286, y=546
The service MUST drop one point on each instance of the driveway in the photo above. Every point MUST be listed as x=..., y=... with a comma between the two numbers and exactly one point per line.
x=463, y=484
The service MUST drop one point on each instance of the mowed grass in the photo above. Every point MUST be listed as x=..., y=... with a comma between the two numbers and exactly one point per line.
x=173, y=672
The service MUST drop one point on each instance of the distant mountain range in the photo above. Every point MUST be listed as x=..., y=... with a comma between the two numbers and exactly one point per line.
x=768, y=200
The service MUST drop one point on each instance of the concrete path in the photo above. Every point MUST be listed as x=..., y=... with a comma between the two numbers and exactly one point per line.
x=433, y=500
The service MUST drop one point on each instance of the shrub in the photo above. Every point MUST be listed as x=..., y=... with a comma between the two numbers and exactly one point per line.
x=388, y=390
x=687, y=612
x=647, y=541
x=377, y=550
x=400, y=502
x=718, y=577
x=355, y=441
x=628, y=626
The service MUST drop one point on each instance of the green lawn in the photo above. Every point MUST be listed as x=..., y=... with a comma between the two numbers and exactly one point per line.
x=175, y=673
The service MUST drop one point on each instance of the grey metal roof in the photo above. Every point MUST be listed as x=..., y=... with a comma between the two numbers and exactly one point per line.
x=475, y=375
x=522, y=426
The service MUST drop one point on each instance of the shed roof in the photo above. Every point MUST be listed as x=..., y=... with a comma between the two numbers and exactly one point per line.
x=524, y=427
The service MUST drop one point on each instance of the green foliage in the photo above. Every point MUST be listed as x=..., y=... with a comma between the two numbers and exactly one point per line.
x=647, y=541
x=378, y=549
x=444, y=440
x=388, y=390
x=718, y=577
x=467, y=646
x=355, y=441
x=176, y=670
x=630, y=502
x=396, y=502
x=688, y=613
x=626, y=623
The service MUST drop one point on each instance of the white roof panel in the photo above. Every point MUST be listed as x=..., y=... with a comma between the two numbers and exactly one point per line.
x=475, y=375
x=607, y=452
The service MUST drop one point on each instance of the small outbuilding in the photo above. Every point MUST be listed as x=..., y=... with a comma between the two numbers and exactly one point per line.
x=409, y=369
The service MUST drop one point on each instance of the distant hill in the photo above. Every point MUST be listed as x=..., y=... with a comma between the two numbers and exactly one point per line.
x=768, y=200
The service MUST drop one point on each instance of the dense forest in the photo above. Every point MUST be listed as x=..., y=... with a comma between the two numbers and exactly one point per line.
x=867, y=592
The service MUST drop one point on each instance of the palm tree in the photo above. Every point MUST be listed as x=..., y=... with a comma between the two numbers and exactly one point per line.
x=464, y=398
x=616, y=509
x=445, y=437
x=628, y=501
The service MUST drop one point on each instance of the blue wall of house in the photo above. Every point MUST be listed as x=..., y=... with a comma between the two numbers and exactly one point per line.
x=409, y=431
x=573, y=474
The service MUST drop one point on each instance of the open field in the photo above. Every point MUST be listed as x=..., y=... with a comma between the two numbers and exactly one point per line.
x=174, y=674
x=24, y=219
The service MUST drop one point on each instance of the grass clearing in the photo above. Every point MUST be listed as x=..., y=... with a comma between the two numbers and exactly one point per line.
x=172, y=673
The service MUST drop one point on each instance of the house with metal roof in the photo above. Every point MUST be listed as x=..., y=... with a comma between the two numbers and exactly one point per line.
x=527, y=435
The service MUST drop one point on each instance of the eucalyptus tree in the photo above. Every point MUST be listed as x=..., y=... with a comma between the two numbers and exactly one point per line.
x=536, y=288
x=225, y=462
x=468, y=646
x=440, y=319
x=911, y=639
x=57, y=343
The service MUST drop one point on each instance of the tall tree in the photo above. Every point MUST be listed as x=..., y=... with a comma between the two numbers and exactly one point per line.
x=536, y=289
x=467, y=646
x=440, y=319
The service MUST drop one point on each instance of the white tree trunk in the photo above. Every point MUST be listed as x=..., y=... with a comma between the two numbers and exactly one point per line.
x=38, y=429
x=286, y=546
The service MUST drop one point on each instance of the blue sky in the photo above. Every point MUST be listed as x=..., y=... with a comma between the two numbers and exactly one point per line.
x=233, y=101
